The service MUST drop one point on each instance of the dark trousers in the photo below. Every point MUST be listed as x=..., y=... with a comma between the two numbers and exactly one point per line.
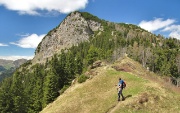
x=120, y=94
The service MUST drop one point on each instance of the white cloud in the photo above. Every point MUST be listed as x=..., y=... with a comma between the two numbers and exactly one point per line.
x=1, y=44
x=30, y=41
x=155, y=24
x=175, y=35
x=172, y=28
x=33, y=6
x=23, y=34
x=166, y=26
x=16, y=57
x=174, y=31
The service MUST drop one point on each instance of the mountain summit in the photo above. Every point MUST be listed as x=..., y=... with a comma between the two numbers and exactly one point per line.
x=79, y=27
x=74, y=29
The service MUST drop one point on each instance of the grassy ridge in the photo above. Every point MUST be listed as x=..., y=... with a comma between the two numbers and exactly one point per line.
x=99, y=95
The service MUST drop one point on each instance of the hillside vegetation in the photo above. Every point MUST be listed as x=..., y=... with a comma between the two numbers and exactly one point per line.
x=99, y=94
x=70, y=49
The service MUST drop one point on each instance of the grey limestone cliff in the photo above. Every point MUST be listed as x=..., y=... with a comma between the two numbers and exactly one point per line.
x=71, y=31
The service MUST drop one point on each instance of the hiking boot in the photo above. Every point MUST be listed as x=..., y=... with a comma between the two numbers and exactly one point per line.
x=123, y=99
x=118, y=99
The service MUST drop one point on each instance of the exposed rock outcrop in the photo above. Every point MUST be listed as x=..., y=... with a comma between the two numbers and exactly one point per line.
x=73, y=30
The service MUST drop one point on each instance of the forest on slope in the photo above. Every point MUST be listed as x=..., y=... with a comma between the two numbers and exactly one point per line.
x=32, y=87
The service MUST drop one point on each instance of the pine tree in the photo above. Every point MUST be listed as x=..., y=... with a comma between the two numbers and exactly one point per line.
x=38, y=88
x=50, y=88
x=19, y=97
x=92, y=55
x=6, y=100
x=78, y=64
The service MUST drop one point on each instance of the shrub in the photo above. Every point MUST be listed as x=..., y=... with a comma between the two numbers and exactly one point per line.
x=64, y=89
x=82, y=78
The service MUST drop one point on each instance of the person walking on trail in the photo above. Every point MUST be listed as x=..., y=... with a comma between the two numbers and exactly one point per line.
x=120, y=89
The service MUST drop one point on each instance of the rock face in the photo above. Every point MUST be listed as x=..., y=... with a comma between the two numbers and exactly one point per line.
x=73, y=30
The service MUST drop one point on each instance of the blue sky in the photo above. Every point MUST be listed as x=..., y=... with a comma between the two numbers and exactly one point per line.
x=23, y=23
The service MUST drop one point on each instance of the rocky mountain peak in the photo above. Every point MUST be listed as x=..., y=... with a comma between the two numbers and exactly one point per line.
x=75, y=28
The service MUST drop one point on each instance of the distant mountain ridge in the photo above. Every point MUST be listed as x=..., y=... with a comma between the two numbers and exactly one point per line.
x=10, y=63
x=7, y=67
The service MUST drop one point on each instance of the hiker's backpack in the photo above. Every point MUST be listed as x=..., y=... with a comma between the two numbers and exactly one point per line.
x=124, y=84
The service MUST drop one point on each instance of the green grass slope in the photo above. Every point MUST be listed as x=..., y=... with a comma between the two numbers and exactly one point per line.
x=99, y=94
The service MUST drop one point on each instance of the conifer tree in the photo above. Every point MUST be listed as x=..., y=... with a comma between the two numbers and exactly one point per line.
x=6, y=100
x=78, y=64
x=18, y=94
x=50, y=88
x=69, y=67
x=92, y=55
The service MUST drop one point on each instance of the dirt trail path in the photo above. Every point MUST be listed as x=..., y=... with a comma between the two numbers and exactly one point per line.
x=127, y=100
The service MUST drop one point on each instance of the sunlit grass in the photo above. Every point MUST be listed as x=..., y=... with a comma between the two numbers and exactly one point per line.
x=99, y=95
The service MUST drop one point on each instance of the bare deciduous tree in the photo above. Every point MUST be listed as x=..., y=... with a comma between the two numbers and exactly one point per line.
x=145, y=55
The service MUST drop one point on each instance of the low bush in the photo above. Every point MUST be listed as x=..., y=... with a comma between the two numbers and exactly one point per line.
x=82, y=78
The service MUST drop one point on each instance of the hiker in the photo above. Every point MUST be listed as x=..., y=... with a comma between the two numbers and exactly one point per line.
x=120, y=89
